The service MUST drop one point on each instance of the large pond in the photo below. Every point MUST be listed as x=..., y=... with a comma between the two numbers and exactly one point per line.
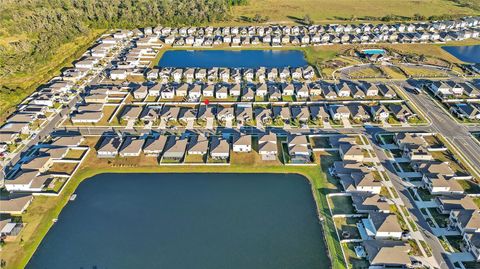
x=232, y=58
x=469, y=54
x=187, y=221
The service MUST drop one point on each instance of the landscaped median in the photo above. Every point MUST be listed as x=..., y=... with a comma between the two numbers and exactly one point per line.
x=44, y=210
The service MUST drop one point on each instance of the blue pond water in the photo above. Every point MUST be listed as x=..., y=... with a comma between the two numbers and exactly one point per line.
x=469, y=54
x=187, y=221
x=232, y=59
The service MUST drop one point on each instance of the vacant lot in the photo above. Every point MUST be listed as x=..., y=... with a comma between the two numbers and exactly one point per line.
x=287, y=11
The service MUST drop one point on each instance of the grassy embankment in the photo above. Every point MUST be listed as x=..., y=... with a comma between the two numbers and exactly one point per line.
x=44, y=209
x=25, y=83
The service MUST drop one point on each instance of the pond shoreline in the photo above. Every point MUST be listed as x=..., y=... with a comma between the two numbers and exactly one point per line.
x=223, y=180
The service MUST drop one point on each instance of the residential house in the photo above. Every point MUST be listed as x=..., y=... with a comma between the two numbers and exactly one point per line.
x=154, y=146
x=219, y=148
x=401, y=112
x=299, y=149
x=244, y=113
x=267, y=147
x=381, y=225
x=360, y=181
x=109, y=147
x=242, y=143
x=339, y=112
x=175, y=148
x=379, y=112
x=366, y=202
x=379, y=253
x=351, y=152
x=131, y=147
x=198, y=145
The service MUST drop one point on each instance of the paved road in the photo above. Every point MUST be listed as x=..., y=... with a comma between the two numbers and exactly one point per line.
x=442, y=123
x=99, y=130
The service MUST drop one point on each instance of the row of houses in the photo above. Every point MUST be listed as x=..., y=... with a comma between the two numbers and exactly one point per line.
x=381, y=229
x=273, y=91
x=466, y=111
x=453, y=89
x=261, y=74
x=247, y=114
x=34, y=110
x=135, y=58
x=323, y=38
x=49, y=98
x=209, y=31
x=166, y=147
x=174, y=148
x=438, y=177
x=31, y=173
x=441, y=180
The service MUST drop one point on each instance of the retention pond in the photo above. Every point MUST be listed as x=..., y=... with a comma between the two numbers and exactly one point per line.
x=232, y=58
x=187, y=221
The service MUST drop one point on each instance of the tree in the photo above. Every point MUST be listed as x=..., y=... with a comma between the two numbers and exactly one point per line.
x=307, y=20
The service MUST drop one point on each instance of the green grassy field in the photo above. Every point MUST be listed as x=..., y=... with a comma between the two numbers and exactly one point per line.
x=287, y=11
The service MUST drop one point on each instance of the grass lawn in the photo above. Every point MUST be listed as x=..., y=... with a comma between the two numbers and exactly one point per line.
x=387, y=138
x=433, y=141
x=393, y=72
x=471, y=265
x=455, y=241
x=342, y=205
x=469, y=187
x=285, y=11
x=414, y=248
x=347, y=227
x=43, y=209
x=425, y=194
x=440, y=219
x=56, y=184
x=195, y=158
x=423, y=72
x=406, y=167
x=75, y=154
x=401, y=220
x=320, y=142
x=354, y=261
x=62, y=168
x=477, y=201
x=397, y=153
x=366, y=72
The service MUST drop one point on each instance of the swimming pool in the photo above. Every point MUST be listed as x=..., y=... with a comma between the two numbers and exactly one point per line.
x=373, y=51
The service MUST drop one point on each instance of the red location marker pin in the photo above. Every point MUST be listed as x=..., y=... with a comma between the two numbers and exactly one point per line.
x=206, y=102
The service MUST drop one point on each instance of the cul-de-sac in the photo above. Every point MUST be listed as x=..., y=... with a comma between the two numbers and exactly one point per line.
x=240, y=134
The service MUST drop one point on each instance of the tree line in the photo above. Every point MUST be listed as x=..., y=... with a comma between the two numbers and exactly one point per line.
x=43, y=25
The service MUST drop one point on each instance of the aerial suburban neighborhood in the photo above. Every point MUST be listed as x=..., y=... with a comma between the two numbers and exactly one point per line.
x=387, y=140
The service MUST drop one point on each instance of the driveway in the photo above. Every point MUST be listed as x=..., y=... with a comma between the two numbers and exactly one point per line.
x=346, y=123
x=130, y=124
x=190, y=124
x=163, y=125
x=209, y=124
